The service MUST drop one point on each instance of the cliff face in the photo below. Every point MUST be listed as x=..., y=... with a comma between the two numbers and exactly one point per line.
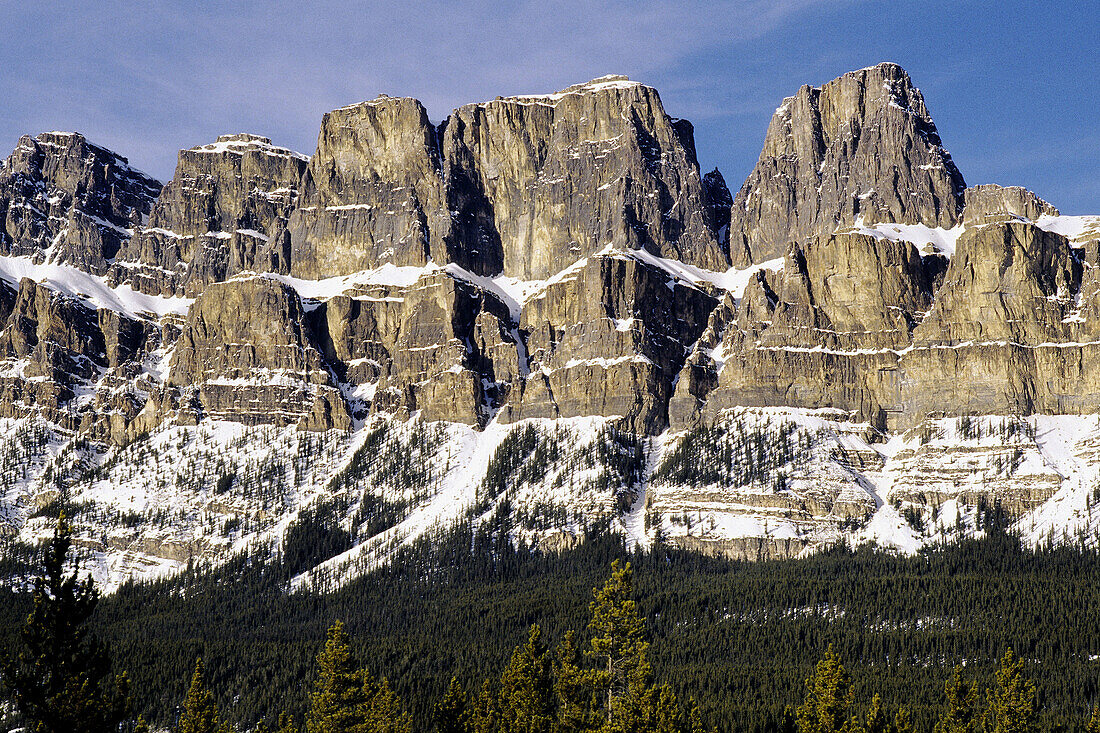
x=552, y=282
x=862, y=147
x=65, y=200
x=215, y=218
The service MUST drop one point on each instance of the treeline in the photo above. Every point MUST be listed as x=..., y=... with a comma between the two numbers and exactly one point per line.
x=739, y=638
x=600, y=681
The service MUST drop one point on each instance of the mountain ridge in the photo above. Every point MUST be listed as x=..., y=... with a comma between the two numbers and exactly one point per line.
x=552, y=282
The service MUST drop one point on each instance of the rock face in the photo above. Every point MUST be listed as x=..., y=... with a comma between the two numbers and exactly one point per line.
x=246, y=354
x=215, y=218
x=535, y=296
x=993, y=202
x=862, y=146
x=609, y=338
x=540, y=182
x=373, y=193
x=65, y=200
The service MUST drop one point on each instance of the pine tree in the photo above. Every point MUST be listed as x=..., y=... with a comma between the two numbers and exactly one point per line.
x=58, y=682
x=576, y=690
x=339, y=700
x=876, y=721
x=452, y=714
x=200, y=713
x=383, y=709
x=1011, y=701
x=961, y=714
x=527, y=688
x=902, y=721
x=828, y=698
x=618, y=641
x=485, y=717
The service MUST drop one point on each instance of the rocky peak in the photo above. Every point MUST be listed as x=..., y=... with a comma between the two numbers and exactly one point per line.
x=216, y=217
x=64, y=199
x=991, y=202
x=373, y=192
x=538, y=182
x=861, y=146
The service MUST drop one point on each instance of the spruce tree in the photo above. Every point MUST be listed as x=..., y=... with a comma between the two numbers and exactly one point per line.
x=452, y=714
x=618, y=641
x=576, y=690
x=59, y=680
x=1011, y=700
x=828, y=698
x=339, y=700
x=527, y=688
x=961, y=713
x=200, y=713
x=485, y=716
x=876, y=721
x=902, y=721
x=383, y=709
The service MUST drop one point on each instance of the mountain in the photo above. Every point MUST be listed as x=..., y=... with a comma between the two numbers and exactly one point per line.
x=541, y=312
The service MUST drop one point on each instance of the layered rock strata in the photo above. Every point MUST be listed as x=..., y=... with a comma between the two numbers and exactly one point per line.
x=65, y=200
x=861, y=147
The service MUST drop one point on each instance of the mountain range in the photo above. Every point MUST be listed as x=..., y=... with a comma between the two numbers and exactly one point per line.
x=541, y=312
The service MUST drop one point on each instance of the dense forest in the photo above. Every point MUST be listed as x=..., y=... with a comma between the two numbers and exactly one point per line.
x=740, y=639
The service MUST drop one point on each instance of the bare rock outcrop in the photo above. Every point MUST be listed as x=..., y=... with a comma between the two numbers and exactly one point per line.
x=990, y=202
x=246, y=354
x=863, y=147
x=65, y=200
x=217, y=216
x=373, y=193
x=539, y=182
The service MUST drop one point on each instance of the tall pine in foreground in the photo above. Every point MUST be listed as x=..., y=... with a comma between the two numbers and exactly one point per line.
x=828, y=698
x=961, y=714
x=338, y=701
x=60, y=681
x=200, y=712
x=1011, y=700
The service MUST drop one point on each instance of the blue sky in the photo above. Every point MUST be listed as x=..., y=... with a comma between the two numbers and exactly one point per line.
x=1014, y=87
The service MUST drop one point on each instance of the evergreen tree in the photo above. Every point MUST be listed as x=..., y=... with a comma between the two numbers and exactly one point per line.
x=618, y=641
x=1011, y=701
x=340, y=696
x=452, y=714
x=286, y=724
x=200, y=713
x=876, y=721
x=576, y=690
x=485, y=716
x=58, y=682
x=961, y=714
x=828, y=698
x=527, y=688
x=383, y=709
x=902, y=721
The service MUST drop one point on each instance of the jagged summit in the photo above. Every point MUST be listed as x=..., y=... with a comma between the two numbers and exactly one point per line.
x=373, y=331
x=66, y=200
x=862, y=146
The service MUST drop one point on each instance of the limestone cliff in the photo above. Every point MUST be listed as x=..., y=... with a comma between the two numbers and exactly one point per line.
x=862, y=146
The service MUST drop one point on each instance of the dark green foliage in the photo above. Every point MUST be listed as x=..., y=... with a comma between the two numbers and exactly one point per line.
x=829, y=696
x=737, y=452
x=740, y=637
x=1010, y=703
x=59, y=678
x=315, y=536
x=200, y=713
x=452, y=714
